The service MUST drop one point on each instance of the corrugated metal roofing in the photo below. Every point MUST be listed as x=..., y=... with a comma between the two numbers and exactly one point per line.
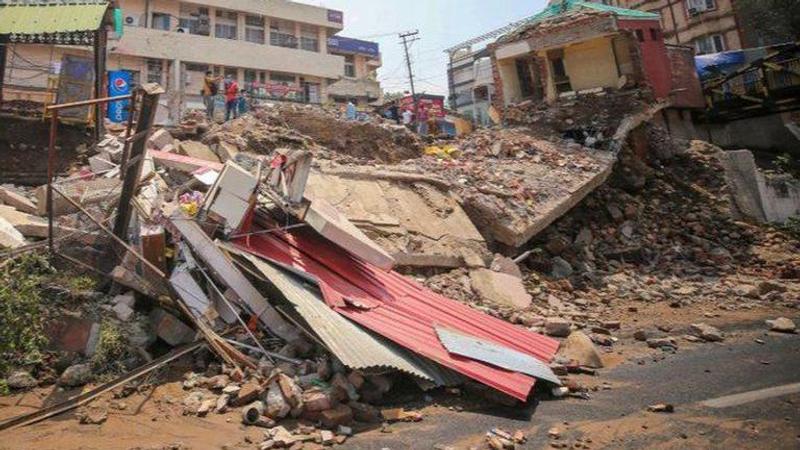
x=400, y=309
x=51, y=18
x=555, y=10
x=496, y=355
x=353, y=346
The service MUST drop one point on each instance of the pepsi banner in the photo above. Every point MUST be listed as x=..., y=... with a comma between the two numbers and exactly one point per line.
x=119, y=83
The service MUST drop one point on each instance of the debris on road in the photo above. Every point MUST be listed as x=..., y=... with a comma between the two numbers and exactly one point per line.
x=782, y=325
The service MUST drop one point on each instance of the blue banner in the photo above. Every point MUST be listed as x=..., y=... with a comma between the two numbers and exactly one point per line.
x=350, y=45
x=119, y=83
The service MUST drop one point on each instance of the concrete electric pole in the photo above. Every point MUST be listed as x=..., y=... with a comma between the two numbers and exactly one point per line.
x=408, y=38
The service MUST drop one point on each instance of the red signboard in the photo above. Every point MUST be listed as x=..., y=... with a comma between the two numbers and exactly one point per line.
x=434, y=105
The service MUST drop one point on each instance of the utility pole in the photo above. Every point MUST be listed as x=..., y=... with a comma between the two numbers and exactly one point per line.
x=406, y=40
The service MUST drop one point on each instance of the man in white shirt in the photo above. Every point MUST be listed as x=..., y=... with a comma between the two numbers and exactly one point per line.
x=407, y=117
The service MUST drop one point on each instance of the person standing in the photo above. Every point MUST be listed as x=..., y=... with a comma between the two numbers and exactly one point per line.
x=394, y=113
x=210, y=91
x=231, y=98
x=351, y=112
x=422, y=121
x=408, y=117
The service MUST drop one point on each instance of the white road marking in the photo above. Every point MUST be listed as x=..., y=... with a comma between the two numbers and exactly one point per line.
x=752, y=396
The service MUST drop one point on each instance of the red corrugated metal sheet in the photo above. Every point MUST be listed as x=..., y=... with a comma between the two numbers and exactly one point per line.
x=400, y=309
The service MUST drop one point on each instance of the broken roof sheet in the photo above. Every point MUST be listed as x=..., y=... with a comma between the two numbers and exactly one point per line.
x=353, y=346
x=496, y=355
x=401, y=310
x=40, y=18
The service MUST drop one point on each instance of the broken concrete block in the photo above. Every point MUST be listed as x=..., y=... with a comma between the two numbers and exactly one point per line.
x=505, y=265
x=333, y=418
x=247, y=394
x=76, y=375
x=198, y=150
x=782, y=325
x=128, y=299
x=316, y=400
x=277, y=406
x=170, y=329
x=557, y=327
x=73, y=334
x=500, y=289
x=182, y=163
x=160, y=139
x=579, y=348
x=18, y=201
x=21, y=379
x=333, y=225
x=101, y=164
x=86, y=192
x=227, y=151
x=706, y=332
x=9, y=236
x=123, y=312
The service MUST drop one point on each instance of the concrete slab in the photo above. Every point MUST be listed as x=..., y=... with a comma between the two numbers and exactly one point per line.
x=198, y=150
x=227, y=151
x=418, y=224
x=9, y=236
x=170, y=329
x=557, y=190
x=17, y=200
x=334, y=226
x=84, y=192
x=500, y=289
x=182, y=163
x=160, y=139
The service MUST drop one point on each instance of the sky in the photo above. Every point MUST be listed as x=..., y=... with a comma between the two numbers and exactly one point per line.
x=441, y=24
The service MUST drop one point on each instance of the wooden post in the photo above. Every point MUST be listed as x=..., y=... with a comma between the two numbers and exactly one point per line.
x=100, y=44
x=52, y=163
x=149, y=95
x=2, y=69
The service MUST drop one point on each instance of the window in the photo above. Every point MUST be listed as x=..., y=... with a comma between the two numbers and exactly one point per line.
x=640, y=35
x=154, y=71
x=695, y=7
x=655, y=35
x=713, y=43
x=350, y=66
x=254, y=29
x=232, y=72
x=309, y=38
x=194, y=19
x=225, y=26
x=250, y=77
x=160, y=21
x=281, y=33
x=136, y=78
x=282, y=78
x=262, y=77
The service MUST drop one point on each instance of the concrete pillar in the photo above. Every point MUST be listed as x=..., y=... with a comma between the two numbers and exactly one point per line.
x=240, y=24
x=176, y=91
x=323, y=40
x=212, y=21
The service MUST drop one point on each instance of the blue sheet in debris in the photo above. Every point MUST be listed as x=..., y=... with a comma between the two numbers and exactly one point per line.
x=719, y=63
x=494, y=354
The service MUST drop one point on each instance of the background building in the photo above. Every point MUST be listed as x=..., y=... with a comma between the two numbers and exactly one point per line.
x=713, y=26
x=276, y=49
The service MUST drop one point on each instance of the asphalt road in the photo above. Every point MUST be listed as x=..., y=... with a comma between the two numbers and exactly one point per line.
x=617, y=418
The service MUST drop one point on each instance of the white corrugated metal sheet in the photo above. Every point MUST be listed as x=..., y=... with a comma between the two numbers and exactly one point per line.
x=355, y=347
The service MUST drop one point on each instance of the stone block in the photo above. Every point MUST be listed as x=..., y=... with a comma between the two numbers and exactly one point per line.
x=17, y=200
x=170, y=329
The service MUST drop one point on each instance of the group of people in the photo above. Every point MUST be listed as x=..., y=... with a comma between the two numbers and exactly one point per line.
x=235, y=98
x=425, y=123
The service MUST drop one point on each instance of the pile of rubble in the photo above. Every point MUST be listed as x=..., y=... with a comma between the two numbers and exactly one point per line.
x=299, y=307
x=272, y=241
x=325, y=131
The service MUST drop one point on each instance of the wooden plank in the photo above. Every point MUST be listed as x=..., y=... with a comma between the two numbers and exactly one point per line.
x=225, y=272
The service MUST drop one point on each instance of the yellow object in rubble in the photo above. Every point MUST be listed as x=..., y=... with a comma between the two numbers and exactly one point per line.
x=445, y=151
x=190, y=209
